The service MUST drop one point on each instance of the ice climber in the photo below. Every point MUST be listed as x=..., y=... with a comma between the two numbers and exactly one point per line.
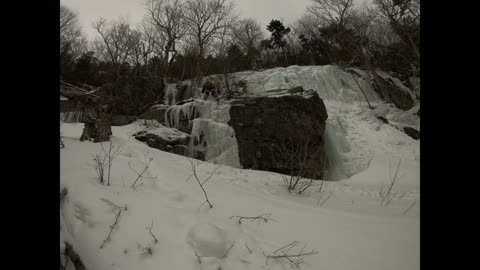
x=208, y=88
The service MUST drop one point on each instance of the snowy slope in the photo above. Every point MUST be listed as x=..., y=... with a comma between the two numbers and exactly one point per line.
x=350, y=230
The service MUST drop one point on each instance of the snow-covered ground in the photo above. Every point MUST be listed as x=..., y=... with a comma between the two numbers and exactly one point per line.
x=350, y=230
x=343, y=220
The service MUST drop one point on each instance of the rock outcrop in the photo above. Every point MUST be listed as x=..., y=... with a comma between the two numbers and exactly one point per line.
x=282, y=132
x=165, y=139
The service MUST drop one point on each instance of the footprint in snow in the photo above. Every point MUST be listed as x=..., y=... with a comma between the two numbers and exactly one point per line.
x=82, y=214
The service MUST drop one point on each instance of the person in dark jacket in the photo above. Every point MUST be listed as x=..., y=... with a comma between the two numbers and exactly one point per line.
x=209, y=88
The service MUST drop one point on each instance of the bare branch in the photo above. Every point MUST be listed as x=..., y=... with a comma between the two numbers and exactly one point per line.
x=199, y=260
x=226, y=253
x=194, y=171
x=112, y=227
x=151, y=233
x=141, y=175
x=263, y=217
x=409, y=207
x=387, y=195
x=146, y=251
x=249, y=250
x=294, y=259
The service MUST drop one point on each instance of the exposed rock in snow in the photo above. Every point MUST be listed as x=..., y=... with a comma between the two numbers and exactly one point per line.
x=165, y=139
x=415, y=134
x=272, y=130
x=397, y=93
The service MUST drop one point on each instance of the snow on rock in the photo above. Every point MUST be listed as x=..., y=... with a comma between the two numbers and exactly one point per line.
x=330, y=82
x=399, y=117
x=207, y=240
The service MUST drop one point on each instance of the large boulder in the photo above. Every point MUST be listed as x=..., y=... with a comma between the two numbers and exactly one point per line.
x=397, y=93
x=165, y=139
x=282, y=132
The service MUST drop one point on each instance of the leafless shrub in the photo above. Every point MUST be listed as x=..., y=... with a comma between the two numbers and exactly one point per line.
x=263, y=217
x=387, y=194
x=151, y=233
x=112, y=227
x=322, y=190
x=295, y=259
x=294, y=155
x=110, y=154
x=145, y=169
x=99, y=164
x=146, y=251
x=201, y=183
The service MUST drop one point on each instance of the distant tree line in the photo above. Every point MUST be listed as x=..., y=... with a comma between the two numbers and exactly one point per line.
x=188, y=39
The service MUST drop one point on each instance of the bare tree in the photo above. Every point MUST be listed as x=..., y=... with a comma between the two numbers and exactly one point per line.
x=404, y=18
x=115, y=42
x=331, y=10
x=153, y=42
x=248, y=34
x=71, y=35
x=204, y=21
x=167, y=17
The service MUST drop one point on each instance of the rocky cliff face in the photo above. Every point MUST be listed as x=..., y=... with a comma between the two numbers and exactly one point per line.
x=282, y=133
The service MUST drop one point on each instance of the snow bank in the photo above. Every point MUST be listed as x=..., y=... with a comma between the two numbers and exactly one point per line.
x=330, y=82
x=349, y=221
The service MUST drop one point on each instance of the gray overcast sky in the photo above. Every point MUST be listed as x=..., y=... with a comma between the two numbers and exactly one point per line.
x=261, y=10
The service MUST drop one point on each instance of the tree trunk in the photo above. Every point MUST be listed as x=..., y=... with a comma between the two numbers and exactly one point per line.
x=97, y=127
